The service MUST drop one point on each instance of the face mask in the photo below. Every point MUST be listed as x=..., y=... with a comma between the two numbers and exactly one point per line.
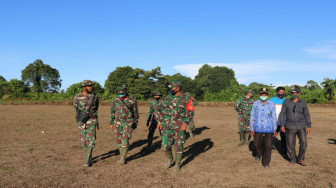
x=281, y=96
x=293, y=96
x=263, y=98
x=87, y=91
x=173, y=92
x=123, y=95
x=157, y=98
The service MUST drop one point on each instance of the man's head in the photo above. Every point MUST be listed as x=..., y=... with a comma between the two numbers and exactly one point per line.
x=249, y=93
x=122, y=90
x=174, y=87
x=87, y=86
x=157, y=95
x=295, y=92
x=280, y=92
x=263, y=92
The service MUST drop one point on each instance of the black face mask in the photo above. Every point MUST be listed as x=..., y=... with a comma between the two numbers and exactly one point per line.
x=173, y=92
x=157, y=98
x=281, y=96
x=88, y=90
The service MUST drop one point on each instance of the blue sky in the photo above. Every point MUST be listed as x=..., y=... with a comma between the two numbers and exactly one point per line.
x=271, y=42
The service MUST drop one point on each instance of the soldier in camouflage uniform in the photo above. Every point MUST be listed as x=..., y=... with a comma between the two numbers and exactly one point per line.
x=244, y=106
x=82, y=103
x=123, y=120
x=192, y=123
x=151, y=117
x=175, y=114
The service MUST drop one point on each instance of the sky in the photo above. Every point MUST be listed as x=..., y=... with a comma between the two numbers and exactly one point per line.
x=271, y=42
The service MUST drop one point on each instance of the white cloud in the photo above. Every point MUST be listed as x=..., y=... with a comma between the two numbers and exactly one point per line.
x=326, y=50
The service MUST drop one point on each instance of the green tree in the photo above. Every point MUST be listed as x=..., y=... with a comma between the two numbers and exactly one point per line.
x=118, y=77
x=17, y=88
x=312, y=85
x=329, y=88
x=3, y=86
x=41, y=77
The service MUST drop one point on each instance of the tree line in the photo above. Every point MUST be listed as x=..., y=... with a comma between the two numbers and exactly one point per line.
x=41, y=82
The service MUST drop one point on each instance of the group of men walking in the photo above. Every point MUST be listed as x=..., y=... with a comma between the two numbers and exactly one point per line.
x=265, y=118
x=171, y=116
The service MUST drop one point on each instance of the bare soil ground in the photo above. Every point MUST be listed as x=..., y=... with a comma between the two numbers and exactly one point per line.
x=54, y=158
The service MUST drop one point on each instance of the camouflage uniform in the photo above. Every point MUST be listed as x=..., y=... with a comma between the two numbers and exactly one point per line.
x=124, y=119
x=174, y=112
x=244, y=106
x=87, y=131
x=152, y=122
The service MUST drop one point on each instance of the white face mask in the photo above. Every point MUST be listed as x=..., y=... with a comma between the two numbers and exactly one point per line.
x=263, y=98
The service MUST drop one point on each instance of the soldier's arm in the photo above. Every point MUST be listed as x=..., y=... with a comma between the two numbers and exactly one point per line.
x=112, y=115
x=135, y=110
x=150, y=112
x=189, y=110
x=96, y=106
x=237, y=105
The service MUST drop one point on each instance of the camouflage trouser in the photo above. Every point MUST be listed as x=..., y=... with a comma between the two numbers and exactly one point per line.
x=173, y=136
x=243, y=125
x=123, y=132
x=87, y=133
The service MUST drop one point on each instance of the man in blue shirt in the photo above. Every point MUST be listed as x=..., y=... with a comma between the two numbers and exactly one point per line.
x=263, y=126
x=278, y=100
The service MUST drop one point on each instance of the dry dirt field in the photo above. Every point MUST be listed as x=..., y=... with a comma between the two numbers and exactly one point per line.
x=30, y=158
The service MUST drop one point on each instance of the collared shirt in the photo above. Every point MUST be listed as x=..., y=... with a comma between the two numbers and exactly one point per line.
x=278, y=105
x=295, y=115
x=263, y=117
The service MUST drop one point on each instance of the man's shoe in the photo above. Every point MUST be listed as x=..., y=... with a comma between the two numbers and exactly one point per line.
x=267, y=166
x=292, y=163
x=302, y=163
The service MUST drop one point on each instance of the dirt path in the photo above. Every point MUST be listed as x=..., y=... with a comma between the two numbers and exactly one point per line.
x=40, y=148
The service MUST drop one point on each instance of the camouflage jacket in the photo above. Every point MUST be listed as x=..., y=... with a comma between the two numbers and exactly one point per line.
x=82, y=103
x=194, y=101
x=153, y=111
x=244, y=105
x=120, y=111
x=176, y=108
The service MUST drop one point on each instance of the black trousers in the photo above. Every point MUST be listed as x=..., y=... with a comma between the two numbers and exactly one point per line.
x=267, y=139
x=151, y=132
x=291, y=141
x=282, y=136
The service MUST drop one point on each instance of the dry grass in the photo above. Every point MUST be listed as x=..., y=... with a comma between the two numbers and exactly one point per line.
x=30, y=158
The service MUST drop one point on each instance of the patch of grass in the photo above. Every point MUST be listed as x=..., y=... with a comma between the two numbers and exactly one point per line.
x=8, y=169
x=31, y=148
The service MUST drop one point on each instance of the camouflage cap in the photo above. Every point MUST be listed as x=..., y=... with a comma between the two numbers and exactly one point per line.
x=249, y=91
x=157, y=93
x=296, y=89
x=174, y=83
x=122, y=89
x=86, y=83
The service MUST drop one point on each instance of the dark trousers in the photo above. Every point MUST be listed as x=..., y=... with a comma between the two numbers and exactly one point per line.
x=282, y=136
x=291, y=141
x=151, y=132
x=258, y=139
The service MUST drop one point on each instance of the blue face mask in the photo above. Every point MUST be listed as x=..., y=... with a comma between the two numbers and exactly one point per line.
x=123, y=95
x=262, y=98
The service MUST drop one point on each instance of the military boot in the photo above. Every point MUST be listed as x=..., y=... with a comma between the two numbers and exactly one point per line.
x=247, y=136
x=178, y=159
x=242, y=138
x=123, y=154
x=88, y=156
x=169, y=158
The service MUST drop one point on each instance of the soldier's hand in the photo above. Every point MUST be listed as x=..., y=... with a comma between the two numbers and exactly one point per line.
x=184, y=127
x=309, y=130
x=252, y=133
x=112, y=127
x=283, y=129
x=159, y=126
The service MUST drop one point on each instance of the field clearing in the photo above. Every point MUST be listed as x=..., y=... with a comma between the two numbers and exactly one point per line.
x=40, y=148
